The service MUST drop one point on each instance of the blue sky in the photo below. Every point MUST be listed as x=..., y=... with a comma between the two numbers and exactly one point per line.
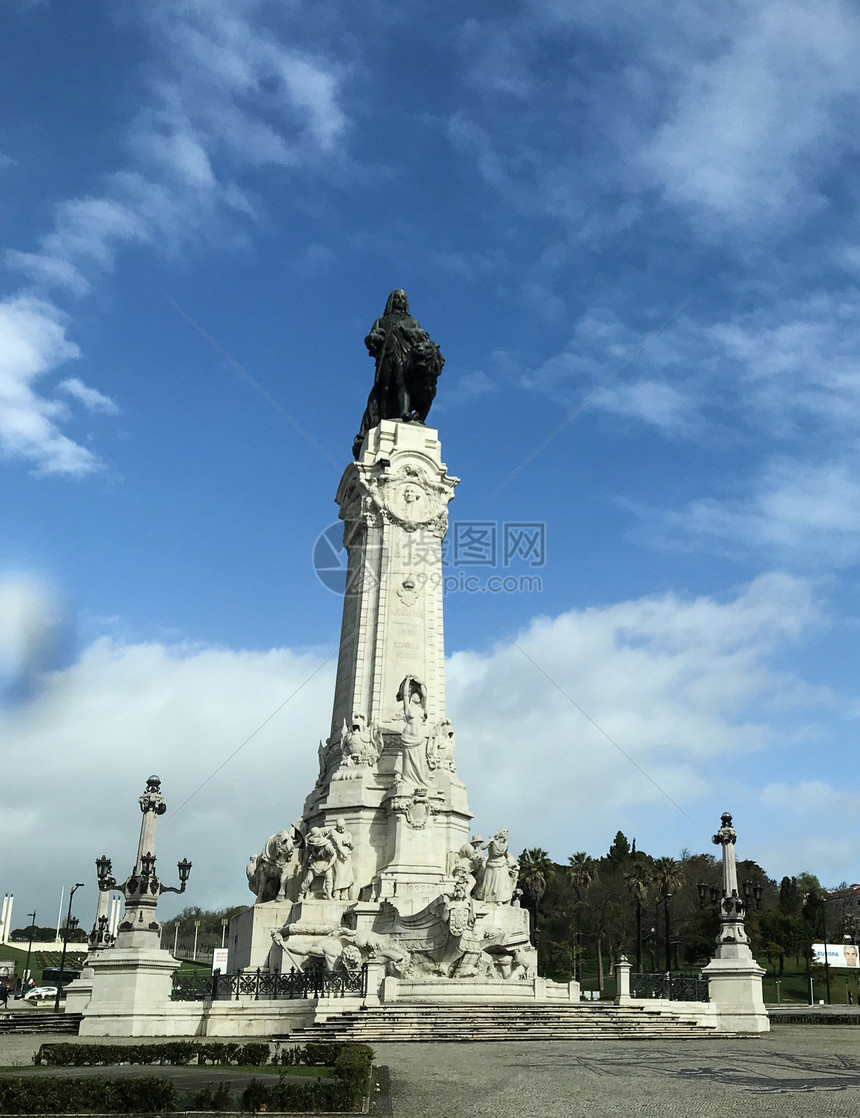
x=554, y=184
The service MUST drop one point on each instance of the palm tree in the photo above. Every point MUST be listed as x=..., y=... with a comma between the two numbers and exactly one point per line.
x=670, y=875
x=583, y=873
x=640, y=881
x=535, y=870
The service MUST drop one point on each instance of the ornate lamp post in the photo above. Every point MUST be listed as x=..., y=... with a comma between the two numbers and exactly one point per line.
x=823, y=901
x=667, y=896
x=100, y=936
x=734, y=977
x=752, y=892
x=730, y=905
x=74, y=889
x=142, y=888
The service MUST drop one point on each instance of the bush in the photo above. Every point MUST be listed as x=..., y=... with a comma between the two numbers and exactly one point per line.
x=353, y=1062
x=209, y=1099
x=55, y=1095
x=304, y=1096
x=175, y=1052
x=321, y=1053
x=288, y=1057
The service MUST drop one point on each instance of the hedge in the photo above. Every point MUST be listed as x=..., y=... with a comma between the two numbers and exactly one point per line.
x=351, y=1063
x=176, y=1052
x=56, y=1095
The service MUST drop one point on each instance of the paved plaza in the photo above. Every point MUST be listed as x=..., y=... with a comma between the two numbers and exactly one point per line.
x=794, y=1072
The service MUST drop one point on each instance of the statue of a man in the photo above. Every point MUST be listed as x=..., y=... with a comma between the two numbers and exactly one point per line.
x=320, y=855
x=408, y=364
x=341, y=839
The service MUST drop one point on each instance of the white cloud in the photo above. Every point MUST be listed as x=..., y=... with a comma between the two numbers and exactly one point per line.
x=739, y=115
x=225, y=94
x=799, y=512
x=33, y=341
x=686, y=687
x=122, y=712
x=46, y=272
x=750, y=123
x=91, y=398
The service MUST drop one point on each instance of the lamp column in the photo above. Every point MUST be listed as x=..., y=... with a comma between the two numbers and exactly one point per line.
x=734, y=977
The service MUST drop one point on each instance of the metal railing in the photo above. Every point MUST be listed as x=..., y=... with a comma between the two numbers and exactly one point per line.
x=315, y=982
x=676, y=987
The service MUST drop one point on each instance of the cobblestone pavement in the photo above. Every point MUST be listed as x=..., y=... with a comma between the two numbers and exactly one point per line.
x=794, y=1072
x=801, y=1071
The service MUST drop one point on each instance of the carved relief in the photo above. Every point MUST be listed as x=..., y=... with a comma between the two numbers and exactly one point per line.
x=360, y=744
x=440, y=747
x=408, y=594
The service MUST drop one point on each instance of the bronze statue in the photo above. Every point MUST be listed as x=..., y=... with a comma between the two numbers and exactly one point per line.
x=408, y=364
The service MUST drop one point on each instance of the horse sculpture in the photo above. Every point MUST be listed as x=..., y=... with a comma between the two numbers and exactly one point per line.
x=270, y=871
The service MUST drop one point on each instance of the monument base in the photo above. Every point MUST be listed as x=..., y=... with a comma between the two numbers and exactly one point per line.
x=124, y=991
x=735, y=989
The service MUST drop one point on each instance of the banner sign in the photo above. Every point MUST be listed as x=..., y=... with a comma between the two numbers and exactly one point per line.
x=838, y=954
x=219, y=960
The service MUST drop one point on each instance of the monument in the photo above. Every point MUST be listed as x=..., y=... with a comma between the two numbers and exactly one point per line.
x=125, y=986
x=380, y=867
x=734, y=976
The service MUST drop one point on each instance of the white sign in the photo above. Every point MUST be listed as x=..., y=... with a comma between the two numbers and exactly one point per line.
x=838, y=954
x=219, y=959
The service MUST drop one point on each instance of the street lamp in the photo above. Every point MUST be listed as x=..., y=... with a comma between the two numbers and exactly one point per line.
x=824, y=901
x=223, y=929
x=667, y=896
x=32, y=916
x=78, y=885
x=196, y=930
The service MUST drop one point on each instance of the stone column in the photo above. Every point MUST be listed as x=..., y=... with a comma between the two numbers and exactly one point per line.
x=387, y=767
x=125, y=989
x=394, y=505
x=734, y=977
x=622, y=979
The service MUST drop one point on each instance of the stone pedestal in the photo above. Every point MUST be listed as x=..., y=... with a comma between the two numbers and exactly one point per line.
x=734, y=986
x=124, y=991
x=622, y=980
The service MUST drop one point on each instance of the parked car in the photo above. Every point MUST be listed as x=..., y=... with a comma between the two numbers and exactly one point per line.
x=40, y=993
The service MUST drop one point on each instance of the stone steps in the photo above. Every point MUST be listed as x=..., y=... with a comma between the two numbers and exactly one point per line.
x=39, y=1022
x=502, y=1021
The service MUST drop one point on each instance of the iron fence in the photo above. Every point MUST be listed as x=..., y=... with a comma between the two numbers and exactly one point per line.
x=676, y=987
x=316, y=982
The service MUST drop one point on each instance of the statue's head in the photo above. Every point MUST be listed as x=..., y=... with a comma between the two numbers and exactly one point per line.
x=340, y=823
x=397, y=302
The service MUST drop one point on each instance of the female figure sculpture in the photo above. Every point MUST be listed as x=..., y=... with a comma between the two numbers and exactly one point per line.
x=414, y=736
x=500, y=872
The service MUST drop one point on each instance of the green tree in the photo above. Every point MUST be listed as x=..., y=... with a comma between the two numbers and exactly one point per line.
x=639, y=879
x=619, y=851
